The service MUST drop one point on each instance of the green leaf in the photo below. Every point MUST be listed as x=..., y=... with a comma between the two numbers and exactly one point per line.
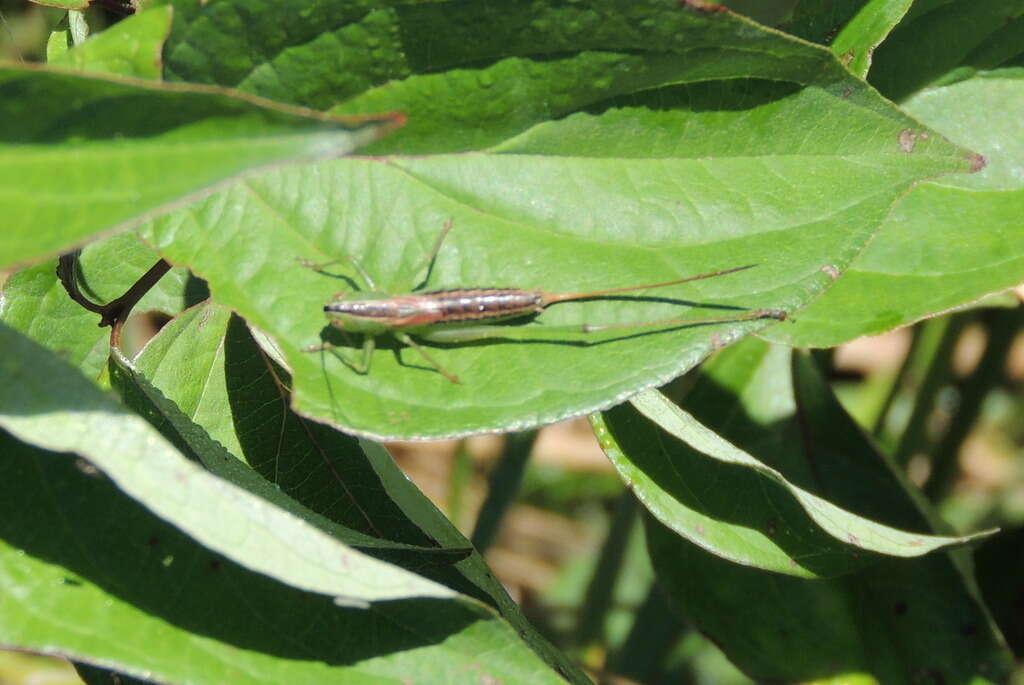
x=857, y=41
x=748, y=512
x=160, y=607
x=819, y=21
x=328, y=478
x=57, y=44
x=84, y=154
x=892, y=620
x=48, y=403
x=224, y=414
x=625, y=197
x=962, y=29
x=64, y=4
x=315, y=54
x=129, y=48
x=644, y=142
x=947, y=243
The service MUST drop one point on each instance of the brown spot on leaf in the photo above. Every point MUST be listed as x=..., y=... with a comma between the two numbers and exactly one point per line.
x=831, y=271
x=907, y=140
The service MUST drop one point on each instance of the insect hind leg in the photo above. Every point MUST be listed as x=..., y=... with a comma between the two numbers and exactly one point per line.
x=407, y=339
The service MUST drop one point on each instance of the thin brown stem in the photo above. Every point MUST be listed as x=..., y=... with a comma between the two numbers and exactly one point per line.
x=115, y=312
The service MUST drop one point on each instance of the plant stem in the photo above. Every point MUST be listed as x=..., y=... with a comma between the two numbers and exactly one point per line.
x=934, y=361
x=503, y=485
x=1001, y=327
x=115, y=312
x=600, y=590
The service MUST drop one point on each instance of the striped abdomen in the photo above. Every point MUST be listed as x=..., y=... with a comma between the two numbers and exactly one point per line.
x=438, y=307
x=479, y=304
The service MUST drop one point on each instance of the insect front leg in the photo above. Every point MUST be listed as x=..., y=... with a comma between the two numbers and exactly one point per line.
x=407, y=339
x=361, y=367
x=428, y=263
x=321, y=266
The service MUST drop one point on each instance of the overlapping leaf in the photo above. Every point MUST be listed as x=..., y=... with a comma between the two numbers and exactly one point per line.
x=891, y=620
x=47, y=403
x=81, y=155
x=968, y=32
x=857, y=41
x=948, y=242
x=161, y=607
x=735, y=505
x=230, y=407
x=657, y=185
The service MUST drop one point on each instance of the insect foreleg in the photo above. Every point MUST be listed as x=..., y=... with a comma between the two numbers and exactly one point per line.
x=407, y=339
x=320, y=268
x=361, y=367
x=428, y=263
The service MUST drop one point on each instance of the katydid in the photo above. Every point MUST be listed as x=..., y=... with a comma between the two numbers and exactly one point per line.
x=445, y=316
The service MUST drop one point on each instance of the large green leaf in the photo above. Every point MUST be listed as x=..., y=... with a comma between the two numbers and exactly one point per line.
x=949, y=242
x=734, y=504
x=237, y=396
x=135, y=625
x=657, y=180
x=46, y=402
x=161, y=607
x=647, y=173
x=324, y=53
x=85, y=154
x=893, y=620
